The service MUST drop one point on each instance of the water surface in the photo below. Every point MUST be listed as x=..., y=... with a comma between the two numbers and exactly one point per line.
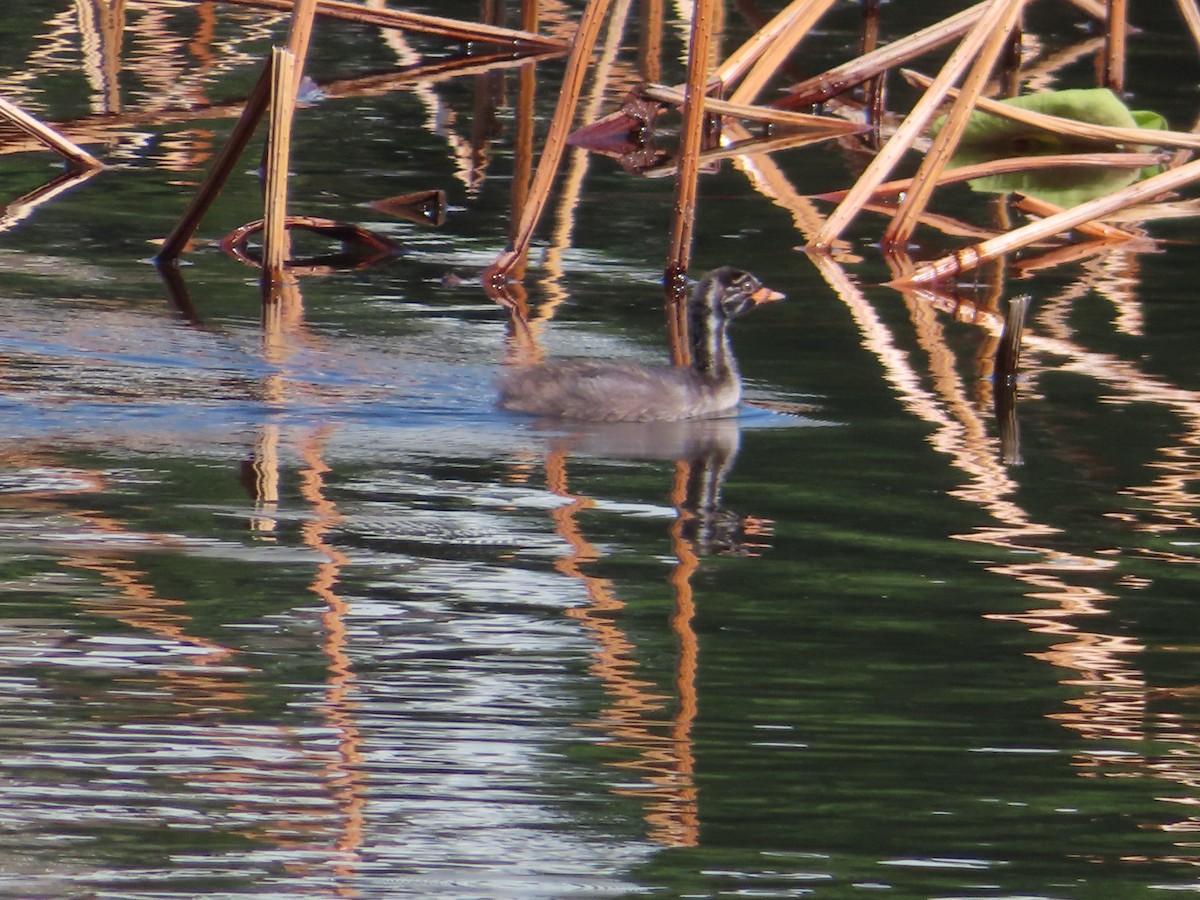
x=300, y=613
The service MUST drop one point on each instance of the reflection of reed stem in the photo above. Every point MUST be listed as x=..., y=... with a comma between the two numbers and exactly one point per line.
x=453, y=29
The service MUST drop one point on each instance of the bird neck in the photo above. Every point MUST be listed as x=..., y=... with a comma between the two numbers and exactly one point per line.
x=712, y=355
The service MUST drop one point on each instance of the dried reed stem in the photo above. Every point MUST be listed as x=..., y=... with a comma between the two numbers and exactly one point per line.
x=1094, y=8
x=1191, y=15
x=971, y=257
x=222, y=168
x=279, y=146
x=1114, y=46
x=299, y=36
x=1012, y=164
x=556, y=139
x=841, y=78
x=900, y=229
x=1073, y=127
x=740, y=61
x=1036, y=207
x=75, y=155
x=760, y=148
x=453, y=29
x=802, y=16
x=675, y=97
x=908, y=130
x=691, y=139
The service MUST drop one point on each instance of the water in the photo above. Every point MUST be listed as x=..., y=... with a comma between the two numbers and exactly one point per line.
x=308, y=616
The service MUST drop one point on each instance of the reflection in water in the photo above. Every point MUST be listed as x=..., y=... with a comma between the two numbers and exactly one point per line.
x=705, y=451
x=1114, y=703
x=369, y=679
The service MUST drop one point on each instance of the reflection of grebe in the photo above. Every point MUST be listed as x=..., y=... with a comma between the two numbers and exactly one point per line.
x=601, y=391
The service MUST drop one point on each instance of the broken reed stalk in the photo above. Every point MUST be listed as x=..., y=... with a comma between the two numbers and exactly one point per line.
x=1072, y=127
x=901, y=227
x=279, y=147
x=1191, y=15
x=1114, y=45
x=1004, y=380
x=1011, y=164
x=908, y=130
x=287, y=69
x=409, y=21
x=75, y=155
x=691, y=140
x=222, y=167
x=803, y=17
x=715, y=107
x=970, y=257
x=841, y=78
x=556, y=140
x=1008, y=352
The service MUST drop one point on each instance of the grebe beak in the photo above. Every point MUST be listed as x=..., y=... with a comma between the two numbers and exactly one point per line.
x=766, y=295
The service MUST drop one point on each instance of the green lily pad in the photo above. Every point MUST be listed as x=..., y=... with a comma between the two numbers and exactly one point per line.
x=988, y=137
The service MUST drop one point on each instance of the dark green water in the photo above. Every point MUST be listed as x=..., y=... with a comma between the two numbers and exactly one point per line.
x=310, y=617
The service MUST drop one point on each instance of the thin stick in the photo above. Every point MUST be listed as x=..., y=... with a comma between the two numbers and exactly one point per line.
x=72, y=153
x=1072, y=127
x=900, y=229
x=1191, y=15
x=691, y=138
x=841, y=78
x=556, y=139
x=279, y=145
x=1114, y=48
x=410, y=21
x=222, y=168
x=971, y=257
x=908, y=130
x=799, y=24
x=674, y=96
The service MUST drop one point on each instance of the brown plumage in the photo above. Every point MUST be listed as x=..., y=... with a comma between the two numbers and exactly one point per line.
x=602, y=391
